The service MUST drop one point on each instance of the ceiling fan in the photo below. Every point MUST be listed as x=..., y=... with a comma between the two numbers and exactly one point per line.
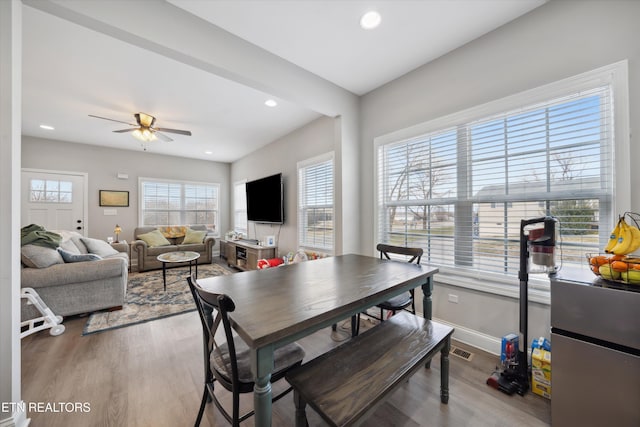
x=144, y=130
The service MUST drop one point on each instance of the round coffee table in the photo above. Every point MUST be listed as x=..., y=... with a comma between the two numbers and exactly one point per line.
x=176, y=257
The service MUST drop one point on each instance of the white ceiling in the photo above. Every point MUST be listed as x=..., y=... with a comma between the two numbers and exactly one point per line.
x=71, y=71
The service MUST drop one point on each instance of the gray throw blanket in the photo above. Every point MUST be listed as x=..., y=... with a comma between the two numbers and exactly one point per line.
x=33, y=234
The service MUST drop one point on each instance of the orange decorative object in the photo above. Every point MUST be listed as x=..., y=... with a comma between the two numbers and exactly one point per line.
x=173, y=231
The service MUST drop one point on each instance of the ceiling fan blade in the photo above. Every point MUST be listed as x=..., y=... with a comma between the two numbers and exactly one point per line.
x=181, y=132
x=125, y=130
x=112, y=120
x=163, y=137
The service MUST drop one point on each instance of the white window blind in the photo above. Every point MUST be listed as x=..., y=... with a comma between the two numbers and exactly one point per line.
x=315, y=203
x=459, y=192
x=165, y=203
x=240, y=208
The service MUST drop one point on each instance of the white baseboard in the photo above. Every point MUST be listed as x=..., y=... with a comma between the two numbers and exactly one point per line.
x=474, y=338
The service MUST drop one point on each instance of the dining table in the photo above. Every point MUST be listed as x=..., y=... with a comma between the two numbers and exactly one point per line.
x=279, y=305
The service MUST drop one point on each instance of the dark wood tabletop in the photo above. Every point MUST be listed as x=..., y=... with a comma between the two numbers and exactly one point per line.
x=278, y=302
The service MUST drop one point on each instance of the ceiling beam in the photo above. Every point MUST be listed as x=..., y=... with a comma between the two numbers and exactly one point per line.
x=163, y=28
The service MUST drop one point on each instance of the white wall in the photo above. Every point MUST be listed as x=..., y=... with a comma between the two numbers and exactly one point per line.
x=557, y=40
x=281, y=156
x=10, y=124
x=103, y=164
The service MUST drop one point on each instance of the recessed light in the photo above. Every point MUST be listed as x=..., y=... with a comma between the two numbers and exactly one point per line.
x=47, y=127
x=270, y=103
x=370, y=20
x=208, y=152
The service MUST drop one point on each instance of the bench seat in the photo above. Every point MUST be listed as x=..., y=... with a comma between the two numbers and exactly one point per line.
x=346, y=384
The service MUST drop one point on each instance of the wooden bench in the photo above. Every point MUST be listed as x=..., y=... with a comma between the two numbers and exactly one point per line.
x=346, y=384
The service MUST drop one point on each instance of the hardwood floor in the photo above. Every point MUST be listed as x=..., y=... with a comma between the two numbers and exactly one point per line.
x=151, y=375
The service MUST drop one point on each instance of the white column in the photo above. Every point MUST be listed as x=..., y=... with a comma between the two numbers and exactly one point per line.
x=10, y=128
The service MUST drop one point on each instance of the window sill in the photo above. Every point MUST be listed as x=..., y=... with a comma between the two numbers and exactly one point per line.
x=538, y=289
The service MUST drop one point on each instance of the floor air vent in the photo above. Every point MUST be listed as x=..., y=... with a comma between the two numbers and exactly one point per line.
x=463, y=354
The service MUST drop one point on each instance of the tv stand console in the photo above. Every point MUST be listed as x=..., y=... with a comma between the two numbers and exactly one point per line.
x=244, y=255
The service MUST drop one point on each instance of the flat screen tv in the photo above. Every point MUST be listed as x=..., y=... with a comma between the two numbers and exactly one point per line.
x=265, y=200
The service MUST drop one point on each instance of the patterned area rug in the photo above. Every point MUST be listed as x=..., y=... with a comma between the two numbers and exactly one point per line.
x=147, y=301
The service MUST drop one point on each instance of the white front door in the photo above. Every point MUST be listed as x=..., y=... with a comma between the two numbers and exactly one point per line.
x=54, y=200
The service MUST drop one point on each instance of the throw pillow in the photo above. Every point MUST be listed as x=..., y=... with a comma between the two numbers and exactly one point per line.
x=40, y=257
x=194, y=236
x=71, y=242
x=71, y=257
x=98, y=247
x=154, y=238
x=69, y=246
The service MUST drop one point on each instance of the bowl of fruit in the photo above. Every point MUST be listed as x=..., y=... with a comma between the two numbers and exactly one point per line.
x=617, y=268
x=616, y=264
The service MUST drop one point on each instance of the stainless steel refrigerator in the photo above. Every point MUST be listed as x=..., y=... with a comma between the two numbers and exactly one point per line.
x=595, y=358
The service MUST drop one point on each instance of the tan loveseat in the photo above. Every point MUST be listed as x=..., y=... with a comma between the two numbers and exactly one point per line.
x=69, y=288
x=147, y=256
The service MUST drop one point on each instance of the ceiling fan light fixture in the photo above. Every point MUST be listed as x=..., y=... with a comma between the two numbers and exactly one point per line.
x=145, y=119
x=145, y=131
x=144, y=135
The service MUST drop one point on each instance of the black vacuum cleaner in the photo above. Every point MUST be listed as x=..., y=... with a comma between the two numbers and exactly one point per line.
x=537, y=256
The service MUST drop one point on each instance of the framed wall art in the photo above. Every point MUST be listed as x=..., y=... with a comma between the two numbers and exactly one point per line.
x=114, y=198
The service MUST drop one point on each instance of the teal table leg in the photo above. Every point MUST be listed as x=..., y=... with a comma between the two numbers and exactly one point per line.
x=427, y=304
x=261, y=367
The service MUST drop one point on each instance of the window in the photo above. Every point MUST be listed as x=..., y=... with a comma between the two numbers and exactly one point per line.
x=240, y=223
x=50, y=191
x=460, y=189
x=315, y=203
x=165, y=203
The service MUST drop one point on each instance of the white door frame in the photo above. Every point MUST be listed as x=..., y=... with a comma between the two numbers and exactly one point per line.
x=85, y=195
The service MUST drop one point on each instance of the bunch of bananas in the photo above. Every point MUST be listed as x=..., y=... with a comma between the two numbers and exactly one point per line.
x=624, y=238
x=618, y=266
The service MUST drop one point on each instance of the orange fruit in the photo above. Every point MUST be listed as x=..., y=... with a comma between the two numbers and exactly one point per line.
x=620, y=266
x=598, y=260
x=616, y=257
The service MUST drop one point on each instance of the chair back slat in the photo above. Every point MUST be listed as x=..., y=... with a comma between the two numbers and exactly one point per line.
x=207, y=304
x=221, y=362
x=414, y=253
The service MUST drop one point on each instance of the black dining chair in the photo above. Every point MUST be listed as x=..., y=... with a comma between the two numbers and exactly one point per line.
x=405, y=301
x=227, y=360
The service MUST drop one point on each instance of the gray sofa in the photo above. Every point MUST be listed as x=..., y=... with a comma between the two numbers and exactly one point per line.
x=147, y=256
x=75, y=287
